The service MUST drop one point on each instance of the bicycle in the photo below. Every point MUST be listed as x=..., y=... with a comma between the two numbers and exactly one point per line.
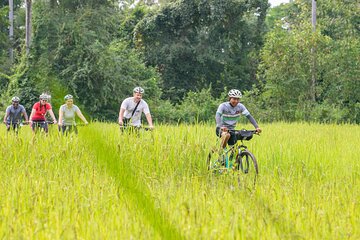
x=42, y=125
x=135, y=129
x=236, y=157
x=15, y=126
x=69, y=129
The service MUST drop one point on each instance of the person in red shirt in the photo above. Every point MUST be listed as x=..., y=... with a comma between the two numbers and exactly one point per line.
x=38, y=112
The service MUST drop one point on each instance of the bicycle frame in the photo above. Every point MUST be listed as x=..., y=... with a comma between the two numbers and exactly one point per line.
x=14, y=126
x=234, y=157
x=232, y=153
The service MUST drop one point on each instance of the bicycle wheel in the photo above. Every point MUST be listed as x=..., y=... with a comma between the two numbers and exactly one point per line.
x=215, y=161
x=246, y=162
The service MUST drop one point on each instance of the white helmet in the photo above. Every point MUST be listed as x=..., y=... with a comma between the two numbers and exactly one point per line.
x=44, y=96
x=15, y=99
x=67, y=97
x=138, y=90
x=234, y=93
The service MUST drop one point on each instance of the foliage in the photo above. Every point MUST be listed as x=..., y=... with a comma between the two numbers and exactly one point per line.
x=197, y=107
x=294, y=56
x=78, y=52
x=5, y=43
x=195, y=44
x=185, y=53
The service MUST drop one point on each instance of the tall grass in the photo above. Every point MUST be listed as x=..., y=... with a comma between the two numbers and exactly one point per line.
x=154, y=185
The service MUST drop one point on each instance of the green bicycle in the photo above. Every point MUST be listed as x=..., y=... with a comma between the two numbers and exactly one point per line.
x=236, y=157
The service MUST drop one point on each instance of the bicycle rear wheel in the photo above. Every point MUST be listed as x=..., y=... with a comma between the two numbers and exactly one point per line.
x=246, y=162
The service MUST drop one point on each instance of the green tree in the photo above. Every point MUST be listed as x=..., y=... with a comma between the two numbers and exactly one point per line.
x=80, y=52
x=287, y=65
x=195, y=44
x=5, y=63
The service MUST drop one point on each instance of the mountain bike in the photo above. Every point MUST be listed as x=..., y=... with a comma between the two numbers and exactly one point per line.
x=43, y=126
x=15, y=126
x=68, y=129
x=236, y=157
x=136, y=129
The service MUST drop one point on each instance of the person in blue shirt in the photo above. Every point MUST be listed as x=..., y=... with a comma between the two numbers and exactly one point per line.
x=14, y=114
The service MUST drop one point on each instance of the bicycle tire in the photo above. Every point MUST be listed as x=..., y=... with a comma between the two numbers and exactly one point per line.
x=246, y=162
x=214, y=161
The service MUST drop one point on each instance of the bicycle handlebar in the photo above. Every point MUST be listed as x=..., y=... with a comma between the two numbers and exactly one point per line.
x=244, y=134
x=18, y=123
x=244, y=130
x=136, y=128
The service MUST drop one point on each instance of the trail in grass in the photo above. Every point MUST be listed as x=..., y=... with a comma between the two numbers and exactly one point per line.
x=124, y=174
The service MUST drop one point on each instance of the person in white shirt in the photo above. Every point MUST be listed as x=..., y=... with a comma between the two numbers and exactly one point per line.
x=132, y=108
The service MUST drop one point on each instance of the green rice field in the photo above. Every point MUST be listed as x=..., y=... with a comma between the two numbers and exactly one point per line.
x=104, y=184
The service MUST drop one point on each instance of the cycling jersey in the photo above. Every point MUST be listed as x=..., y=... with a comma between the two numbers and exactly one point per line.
x=228, y=116
x=69, y=114
x=14, y=114
x=40, y=111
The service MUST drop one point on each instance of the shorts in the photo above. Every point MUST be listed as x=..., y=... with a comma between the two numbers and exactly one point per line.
x=12, y=125
x=68, y=129
x=232, y=140
x=40, y=124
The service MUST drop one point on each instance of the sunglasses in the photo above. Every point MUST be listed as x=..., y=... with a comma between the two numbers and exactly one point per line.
x=43, y=100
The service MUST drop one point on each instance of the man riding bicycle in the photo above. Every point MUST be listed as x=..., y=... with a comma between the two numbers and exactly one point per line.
x=228, y=114
x=132, y=108
x=13, y=114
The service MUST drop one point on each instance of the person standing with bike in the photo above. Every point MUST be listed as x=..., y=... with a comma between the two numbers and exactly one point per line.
x=14, y=113
x=132, y=108
x=67, y=114
x=227, y=116
x=38, y=113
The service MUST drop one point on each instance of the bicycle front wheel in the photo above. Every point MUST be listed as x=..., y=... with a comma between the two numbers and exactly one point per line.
x=215, y=161
x=246, y=162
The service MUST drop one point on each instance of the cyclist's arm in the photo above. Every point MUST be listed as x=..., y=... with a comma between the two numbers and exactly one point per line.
x=121, y=116
x=52, y=115
x=149, y=120
x=81, y=116
x=6, y=116
x=218, y=115
x=25, y=115
x=253, y=122
x=60, y=116
x=31, y=115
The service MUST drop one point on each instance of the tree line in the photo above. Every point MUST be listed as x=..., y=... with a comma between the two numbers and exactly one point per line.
x=187, y=54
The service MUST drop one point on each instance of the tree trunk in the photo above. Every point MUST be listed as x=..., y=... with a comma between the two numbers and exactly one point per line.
x=313, y=52
x=28, y=26
x=11, y=30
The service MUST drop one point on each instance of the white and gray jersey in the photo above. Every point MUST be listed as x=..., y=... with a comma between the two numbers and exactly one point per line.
x=129, y=105
x=14, y=114
x=69, y=114
x=228, y=116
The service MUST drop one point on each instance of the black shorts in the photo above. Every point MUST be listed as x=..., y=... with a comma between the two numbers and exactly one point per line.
x=12, y=125
x=232, y=140
x=40, y=124
x=68, y=129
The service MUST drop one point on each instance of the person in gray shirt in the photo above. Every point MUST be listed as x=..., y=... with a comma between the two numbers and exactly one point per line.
x=227, y=116
x=14, y=113
x=67, y=113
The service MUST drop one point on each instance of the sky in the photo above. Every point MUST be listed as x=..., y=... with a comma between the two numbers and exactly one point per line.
x=277, y=2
